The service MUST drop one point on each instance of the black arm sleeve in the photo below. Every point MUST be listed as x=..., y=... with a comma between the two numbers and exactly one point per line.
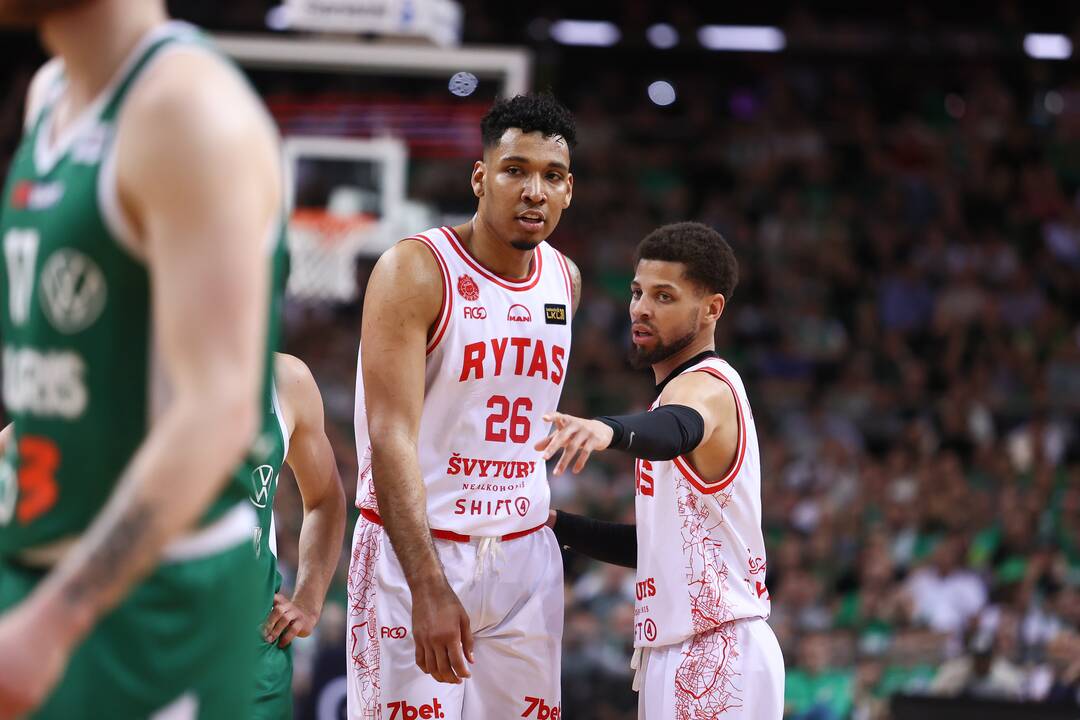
x=661, y=434
x=609, y=542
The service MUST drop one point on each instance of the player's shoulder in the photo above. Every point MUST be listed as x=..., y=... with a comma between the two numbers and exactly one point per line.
x=575, y=280
x=296, y=386
x=44, y=82
x=413, y=263
x=193, y=87
x=290, y=370
x=708, y=381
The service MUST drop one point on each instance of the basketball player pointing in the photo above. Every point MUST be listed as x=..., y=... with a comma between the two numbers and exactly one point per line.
x=455, y=586
x=703, y=647
x=141, y=272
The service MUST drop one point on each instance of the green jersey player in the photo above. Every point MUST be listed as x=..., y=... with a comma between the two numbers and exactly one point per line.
x=140, y=278
x=302, y=443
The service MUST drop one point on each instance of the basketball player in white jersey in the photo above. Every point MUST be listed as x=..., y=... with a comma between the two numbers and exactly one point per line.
x=703, y=648
x=455, y=585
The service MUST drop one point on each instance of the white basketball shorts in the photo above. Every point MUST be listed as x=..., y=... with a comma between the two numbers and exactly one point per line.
x=732, y=672
x=513, y=592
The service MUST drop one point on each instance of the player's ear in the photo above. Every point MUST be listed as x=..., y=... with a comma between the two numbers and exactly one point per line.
x=479, y=171
x=569, y=190
x=714, y=307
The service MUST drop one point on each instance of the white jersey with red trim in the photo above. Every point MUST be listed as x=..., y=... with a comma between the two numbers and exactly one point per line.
x=496, y=362
x=701, y=552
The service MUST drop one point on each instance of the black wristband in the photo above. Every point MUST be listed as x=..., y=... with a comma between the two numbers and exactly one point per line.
x=609, y=542
x=661, y=434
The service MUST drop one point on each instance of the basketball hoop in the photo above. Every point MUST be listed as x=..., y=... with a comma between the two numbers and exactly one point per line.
x=324, y=247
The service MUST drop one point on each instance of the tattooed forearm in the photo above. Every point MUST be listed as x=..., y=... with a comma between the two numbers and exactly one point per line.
x=114, y=556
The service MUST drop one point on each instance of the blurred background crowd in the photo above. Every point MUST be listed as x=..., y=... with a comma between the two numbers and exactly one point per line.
x=907, y=323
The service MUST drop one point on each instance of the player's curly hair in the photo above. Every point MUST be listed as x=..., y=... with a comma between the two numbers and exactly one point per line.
x=532, y=112
x=709, y=260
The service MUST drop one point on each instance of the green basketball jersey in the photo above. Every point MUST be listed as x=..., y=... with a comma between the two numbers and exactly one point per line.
x=80, y=374
x=263, y=488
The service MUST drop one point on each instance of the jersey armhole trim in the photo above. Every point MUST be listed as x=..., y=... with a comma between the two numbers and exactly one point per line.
x=442, y=321
x=108, y=189
x=569, y=285
x=686, y=467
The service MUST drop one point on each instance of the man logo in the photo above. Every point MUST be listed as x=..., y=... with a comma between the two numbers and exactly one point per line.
x=261, y=479
x=518, y=313
x=72, y=291
x=554, y=314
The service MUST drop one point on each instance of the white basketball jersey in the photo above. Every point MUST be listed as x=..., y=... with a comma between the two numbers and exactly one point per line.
x=496, y=363
x=701, y=552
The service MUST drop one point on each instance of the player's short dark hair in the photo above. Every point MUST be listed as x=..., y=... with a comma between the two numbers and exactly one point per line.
x=532, y=112
x=706, y=255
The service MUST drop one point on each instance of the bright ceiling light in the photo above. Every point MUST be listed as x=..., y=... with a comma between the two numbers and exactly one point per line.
x=662, y=35
x=746, y=38
x=599, y=33
x=662, y=92
x=1048, y=46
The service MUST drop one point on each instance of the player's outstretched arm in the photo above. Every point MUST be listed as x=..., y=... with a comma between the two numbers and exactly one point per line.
x=692, y=408
x=311, y=458
x=402, y=301
x=198, y=173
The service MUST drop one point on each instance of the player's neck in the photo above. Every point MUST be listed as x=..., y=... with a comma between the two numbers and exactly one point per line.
x=94, y=39
x=493, y=252
x=664, y=368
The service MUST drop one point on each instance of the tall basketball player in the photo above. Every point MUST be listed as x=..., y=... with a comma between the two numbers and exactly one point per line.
x=142, y=266
x=703, y=648
x=455, y=585
x=300, y=441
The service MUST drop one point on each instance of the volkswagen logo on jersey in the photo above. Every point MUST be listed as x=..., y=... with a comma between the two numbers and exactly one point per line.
x=468, y=288
x=73, y=290
x=261, y=478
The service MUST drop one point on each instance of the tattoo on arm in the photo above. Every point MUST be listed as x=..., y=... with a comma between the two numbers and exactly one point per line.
x=575, y=283
x=116, y=555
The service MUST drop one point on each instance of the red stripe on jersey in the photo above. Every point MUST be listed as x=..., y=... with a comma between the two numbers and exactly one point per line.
x=509, y=283
x=566, y=276
x=371, y=516
x=688, y=470
x=447, y=307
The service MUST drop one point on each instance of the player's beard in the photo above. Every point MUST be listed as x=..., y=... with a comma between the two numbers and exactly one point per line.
x=640, y=358
x=524, y=245
x=28, y=13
